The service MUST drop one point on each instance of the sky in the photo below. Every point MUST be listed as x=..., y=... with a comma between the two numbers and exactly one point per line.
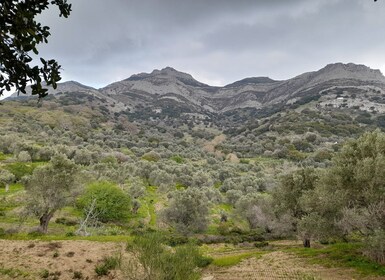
x=216, y=41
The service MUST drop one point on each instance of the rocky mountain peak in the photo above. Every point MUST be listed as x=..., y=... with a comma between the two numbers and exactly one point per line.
x=348, y=71
x=167, y=71
x=167, y=74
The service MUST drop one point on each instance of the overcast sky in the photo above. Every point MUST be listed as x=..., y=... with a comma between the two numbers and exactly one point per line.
x=217, y=41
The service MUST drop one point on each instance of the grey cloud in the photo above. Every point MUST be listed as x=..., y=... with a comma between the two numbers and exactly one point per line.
x=218, y=41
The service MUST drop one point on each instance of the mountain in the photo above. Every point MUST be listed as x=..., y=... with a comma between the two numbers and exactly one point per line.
x=295, y=118
x=170, y=90
x=182, y=89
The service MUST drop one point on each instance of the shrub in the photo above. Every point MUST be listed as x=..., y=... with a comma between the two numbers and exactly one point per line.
x=375, y=247
x=111, y=203
x=155, y=261
x=177, y=159
x=108, y=263
x=77, y=275
x=20, y=169
x=176, y=239
x=151, y=156
x=204, y=261
x=24, y=156
x=70, y=234
x=44, y=274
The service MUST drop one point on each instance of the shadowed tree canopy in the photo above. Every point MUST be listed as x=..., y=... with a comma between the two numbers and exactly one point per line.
x=20, y=35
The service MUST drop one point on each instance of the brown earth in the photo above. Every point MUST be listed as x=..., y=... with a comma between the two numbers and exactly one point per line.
x=28, y=259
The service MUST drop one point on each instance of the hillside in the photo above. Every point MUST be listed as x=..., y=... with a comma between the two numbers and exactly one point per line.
x=232, y=169
x=260, y=116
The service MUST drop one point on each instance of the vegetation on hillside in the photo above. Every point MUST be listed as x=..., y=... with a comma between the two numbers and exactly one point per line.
x=69, y=172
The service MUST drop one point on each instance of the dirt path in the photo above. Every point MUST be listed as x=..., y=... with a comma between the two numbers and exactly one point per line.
x=28, y=259
x=278, y=265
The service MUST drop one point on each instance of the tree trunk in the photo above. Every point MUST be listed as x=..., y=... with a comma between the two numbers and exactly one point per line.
x=6, y=187
x=44, y=220
x=306, y=242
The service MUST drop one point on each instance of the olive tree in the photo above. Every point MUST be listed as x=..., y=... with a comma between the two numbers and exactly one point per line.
x=349, y=196
x=6, y=178
x=187, y=211
x=289, y=193
x=50, y=188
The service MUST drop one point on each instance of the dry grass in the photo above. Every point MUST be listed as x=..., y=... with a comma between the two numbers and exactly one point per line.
x=278, y=265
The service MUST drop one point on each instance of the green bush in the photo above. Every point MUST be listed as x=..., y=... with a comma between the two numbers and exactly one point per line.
x=107, y=264
x=203, y=261
x=44, y=274
x=151, y=156
x=177, y=159
x=176, y=239
x=20, y=169
x=111, y=203
x=153, y=260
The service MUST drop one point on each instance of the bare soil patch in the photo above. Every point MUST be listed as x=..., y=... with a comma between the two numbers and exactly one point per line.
x=28, y=259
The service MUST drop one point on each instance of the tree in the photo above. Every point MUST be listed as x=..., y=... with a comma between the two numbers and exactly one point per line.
x=24, y=156
x=20, y=34
x=188, y=211
x=50, y=188
x=349, y=196
x=136, y=187
x=311, y=226
x=358, y=170
x=258, y=210
x=291, y=188
x=288, y=196
x=6, y=178
x=161, y=179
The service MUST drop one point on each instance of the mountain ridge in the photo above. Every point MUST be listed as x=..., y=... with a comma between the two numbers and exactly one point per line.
x=170, y=87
